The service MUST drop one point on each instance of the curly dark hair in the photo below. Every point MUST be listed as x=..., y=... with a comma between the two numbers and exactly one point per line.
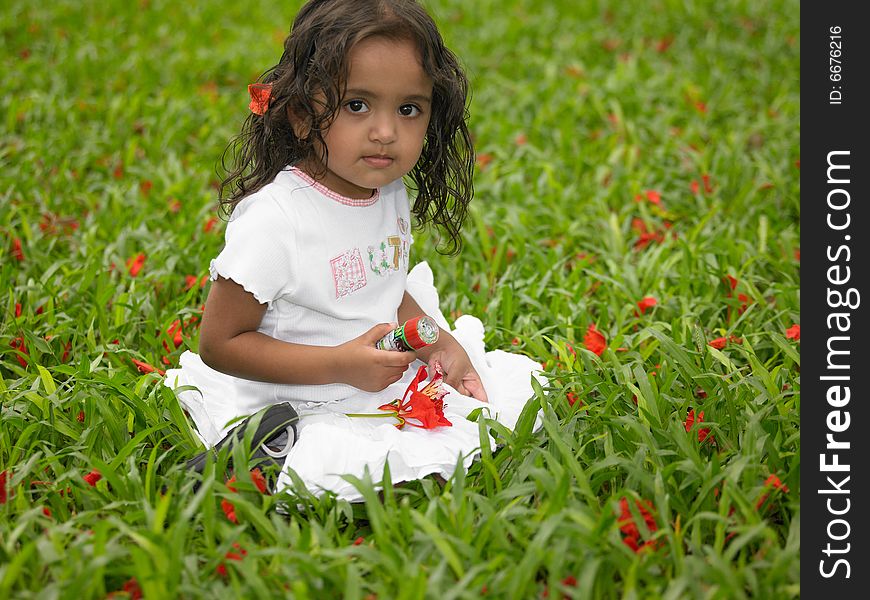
x=309, y=83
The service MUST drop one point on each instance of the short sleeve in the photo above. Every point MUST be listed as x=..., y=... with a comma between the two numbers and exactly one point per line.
x=260, y=249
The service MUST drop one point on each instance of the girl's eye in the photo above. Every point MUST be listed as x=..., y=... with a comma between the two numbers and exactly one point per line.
x=357, y=106
x=409, y=110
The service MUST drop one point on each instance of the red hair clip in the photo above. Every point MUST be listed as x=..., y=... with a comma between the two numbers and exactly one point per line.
x=260, y=93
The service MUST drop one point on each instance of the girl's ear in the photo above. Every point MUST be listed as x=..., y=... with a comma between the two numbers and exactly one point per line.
x=301, y=125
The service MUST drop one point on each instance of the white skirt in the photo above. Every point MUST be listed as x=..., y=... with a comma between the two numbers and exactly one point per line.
x=331, y=444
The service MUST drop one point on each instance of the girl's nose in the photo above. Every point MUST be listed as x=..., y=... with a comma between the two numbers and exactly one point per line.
x=383, y=129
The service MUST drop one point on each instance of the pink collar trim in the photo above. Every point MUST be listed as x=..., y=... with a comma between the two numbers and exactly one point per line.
x=334, y=195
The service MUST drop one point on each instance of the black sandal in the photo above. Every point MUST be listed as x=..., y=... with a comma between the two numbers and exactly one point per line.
x=270, y=443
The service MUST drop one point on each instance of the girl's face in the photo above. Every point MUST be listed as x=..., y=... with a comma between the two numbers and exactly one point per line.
x=377, y=135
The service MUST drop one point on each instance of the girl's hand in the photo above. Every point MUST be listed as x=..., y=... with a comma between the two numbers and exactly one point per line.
x=360, y=364
x=457, y=369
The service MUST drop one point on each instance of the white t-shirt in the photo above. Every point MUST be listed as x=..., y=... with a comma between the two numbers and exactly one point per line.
x=328, y=267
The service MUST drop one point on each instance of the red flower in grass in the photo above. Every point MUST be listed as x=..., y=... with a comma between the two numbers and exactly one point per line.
x=358, y=541
x=19, y=345
x=569, y=581
x=130, y=589
x=174, y=332
x=743, y=298
x=191, y=280
x=721, y=342
x=16, y=251
x=259, y=481
x=93, y=477
x=645, y=304
x=131, y=586
x=144, y=367
x=793, y=332
x=703, y=432
x=237, y=556
x=628, y=526
x=594, y=341
x=770, y=484
x=4, y=496
x=81, y=416
x=424, y=405
x=209, y=225
x=228, y=507
x=572, y=399
x=229, y=510
x=135, y=264
x=18, y=309
x=645, y=235
x=483, y=159
x=651, y=195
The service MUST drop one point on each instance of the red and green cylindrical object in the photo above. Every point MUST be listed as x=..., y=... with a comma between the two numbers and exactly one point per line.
x=413, y=334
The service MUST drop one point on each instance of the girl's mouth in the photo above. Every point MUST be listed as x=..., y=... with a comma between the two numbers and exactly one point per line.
x=378, y=162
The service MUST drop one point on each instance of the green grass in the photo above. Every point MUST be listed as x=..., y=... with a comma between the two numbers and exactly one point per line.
x=113, y=116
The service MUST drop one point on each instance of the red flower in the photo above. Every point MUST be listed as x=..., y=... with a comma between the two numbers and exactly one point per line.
x=17, y=252
x=192, y=280
x=145, y=187
x=483, y=159
x=793, y=332
x=572, y=399
x=569, y=581
x=237, y=556
x=707, y=187
x=131, y=586
x=174, y=332
x=645, y=235
x=229, y=510
x=359, y=541
x=426, y=405
x=703, y=432
x=646, y=303
x=81, y=416
x=259, y=481
x=227, y=506
x=744, y=299
x=17, y=309
x=209, y=225
x=46, y=511
x=93, y=477
x=628, y=527
x=261, y=94
x=663, y=44
x=651, y=195
x=720, y=342
x=594, y=340
x=771, y=483
x=19, y=345
x=144, y=367
x=135, y=264
x=4, y=497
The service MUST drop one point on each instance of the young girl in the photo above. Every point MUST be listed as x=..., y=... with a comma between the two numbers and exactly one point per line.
x=315, y=266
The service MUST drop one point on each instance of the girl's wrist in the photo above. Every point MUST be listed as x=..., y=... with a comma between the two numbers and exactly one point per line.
x=444, y=340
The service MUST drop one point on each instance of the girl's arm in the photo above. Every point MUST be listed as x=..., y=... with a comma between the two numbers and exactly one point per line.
x=229, y=342
x=458, y=371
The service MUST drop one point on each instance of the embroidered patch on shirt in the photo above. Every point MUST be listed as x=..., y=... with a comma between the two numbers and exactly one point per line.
x=348, y=272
